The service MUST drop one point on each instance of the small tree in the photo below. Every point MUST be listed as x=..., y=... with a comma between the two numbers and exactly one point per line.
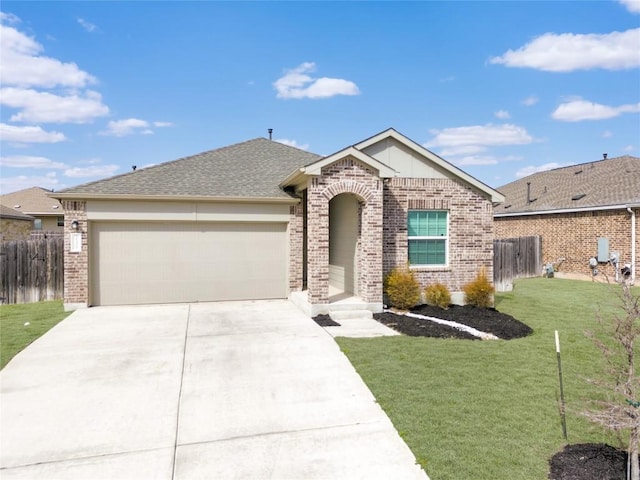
x=620, y=410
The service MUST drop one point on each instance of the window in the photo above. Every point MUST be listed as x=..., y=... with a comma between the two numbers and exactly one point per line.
x=61, y=221
x=428, y=234
x=37, y=224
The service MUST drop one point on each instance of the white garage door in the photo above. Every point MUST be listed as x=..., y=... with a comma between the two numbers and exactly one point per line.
x=136, y=263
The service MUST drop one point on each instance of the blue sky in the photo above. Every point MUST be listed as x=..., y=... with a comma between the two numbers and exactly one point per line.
x=500, y=89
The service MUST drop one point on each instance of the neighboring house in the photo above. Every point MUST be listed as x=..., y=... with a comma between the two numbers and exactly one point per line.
x=260, y=219
x=35, y=201
x=14, y=225
x=582, y=212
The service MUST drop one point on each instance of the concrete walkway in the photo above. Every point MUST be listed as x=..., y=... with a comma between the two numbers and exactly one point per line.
x=233, y=390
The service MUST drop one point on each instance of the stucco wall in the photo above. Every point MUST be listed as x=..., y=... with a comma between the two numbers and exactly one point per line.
x=574, y=236
x=470, y=228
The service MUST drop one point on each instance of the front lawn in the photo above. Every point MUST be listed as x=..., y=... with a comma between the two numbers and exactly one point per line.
x=22, y=324
x=489, y=409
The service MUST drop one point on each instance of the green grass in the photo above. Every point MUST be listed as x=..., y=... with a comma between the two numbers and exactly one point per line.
x=15, y=336
x=489, y=409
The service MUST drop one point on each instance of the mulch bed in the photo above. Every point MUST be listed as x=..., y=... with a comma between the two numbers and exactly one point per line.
x=589, y=461
x=324, y=320
x=487, y=320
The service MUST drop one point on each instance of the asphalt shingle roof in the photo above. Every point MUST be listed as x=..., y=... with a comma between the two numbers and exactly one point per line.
x=6, y=212
x=32, y=201
x=615, y=181
x=251, y=169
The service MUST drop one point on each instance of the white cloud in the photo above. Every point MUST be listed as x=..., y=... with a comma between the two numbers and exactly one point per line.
x=607, y=134
x=132, y=126
x=13, y=184
x=88, y=26
x=632, y=5
x=12, y=133
x=567, y=52
x=526, y=171
x=629, y=148
x=24, y=66
x=579, y=110
x=9, y=18
x=475, y=138
x=296, y=83
x=530, y=101
x=28, y=161
x=93, y=171
x=293, y=143
x=502, y=114
x=36, y=106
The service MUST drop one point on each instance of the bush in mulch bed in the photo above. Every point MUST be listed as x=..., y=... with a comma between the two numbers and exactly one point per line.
x=588, y=461
x=487, y=320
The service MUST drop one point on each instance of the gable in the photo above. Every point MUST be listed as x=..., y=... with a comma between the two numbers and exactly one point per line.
x=414, y=161
x=407, y=162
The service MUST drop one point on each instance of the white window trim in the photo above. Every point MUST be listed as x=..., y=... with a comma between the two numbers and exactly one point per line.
x=441, y=237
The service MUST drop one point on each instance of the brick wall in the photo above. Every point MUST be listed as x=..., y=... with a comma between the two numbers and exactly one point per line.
x=296, y=237
x=345, y=176
x=574, y=236
x=76, y=265
x=470, y=228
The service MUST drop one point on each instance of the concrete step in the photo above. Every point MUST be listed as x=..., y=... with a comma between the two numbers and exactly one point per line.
x=337, y=315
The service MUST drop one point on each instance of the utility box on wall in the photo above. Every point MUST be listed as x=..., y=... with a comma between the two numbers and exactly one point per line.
x=603, y=249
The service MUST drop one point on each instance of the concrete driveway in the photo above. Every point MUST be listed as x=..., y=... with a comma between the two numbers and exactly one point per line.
x=232, y=390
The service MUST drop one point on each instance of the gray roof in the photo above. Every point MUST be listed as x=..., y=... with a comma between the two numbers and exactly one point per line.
x=6, y=212
x=593, y=185
x=251, y=169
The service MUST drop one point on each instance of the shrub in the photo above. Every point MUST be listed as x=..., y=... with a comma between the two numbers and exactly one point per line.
x=403, y=288
x=438, y=294
x=479, y=292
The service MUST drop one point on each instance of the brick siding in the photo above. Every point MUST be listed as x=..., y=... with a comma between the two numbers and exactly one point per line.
x=296, y=240
x=345, y=176
x=76, y=265
x=470, y=228
x=574, y=236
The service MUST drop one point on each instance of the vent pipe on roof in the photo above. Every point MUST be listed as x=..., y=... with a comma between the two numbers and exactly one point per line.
x=604, y=156
x=270, y=130
x=528, y=193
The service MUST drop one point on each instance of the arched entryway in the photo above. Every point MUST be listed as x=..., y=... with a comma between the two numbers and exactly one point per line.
x=344, y=233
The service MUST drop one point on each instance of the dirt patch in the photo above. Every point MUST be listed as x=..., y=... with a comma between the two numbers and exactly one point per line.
x=487, y=320
x=589, y=461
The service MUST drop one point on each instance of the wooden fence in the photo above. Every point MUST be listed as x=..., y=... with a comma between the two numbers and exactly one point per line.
x=32, y=270
x=516, y=258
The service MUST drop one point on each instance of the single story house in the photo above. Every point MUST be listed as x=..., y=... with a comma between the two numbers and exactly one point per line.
x=14, y=225
x=260, y=219
x=586, y=215
x=36, y=202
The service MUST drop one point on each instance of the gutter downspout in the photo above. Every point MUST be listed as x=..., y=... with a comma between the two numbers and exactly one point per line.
x=633, y=244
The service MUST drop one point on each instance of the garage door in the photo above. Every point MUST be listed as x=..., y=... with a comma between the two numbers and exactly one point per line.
x=136, y=263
